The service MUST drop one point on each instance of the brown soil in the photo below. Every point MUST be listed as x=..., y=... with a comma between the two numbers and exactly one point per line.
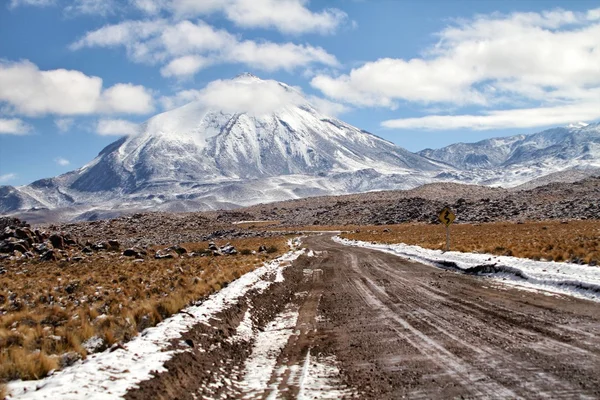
x=400, y=329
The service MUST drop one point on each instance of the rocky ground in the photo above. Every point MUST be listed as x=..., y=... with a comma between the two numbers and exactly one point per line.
x=472, y=204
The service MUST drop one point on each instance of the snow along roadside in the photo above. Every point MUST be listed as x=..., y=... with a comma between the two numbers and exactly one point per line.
x=558, y=277
x=111, y=374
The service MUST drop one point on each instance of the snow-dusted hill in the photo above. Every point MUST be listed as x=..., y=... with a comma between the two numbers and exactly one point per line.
x=514, y=160
x=198, y=157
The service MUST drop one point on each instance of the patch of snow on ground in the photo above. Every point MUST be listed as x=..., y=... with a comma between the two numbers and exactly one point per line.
x=320, y=379
x=581, y=281
x=267, y=347
x=112, y=374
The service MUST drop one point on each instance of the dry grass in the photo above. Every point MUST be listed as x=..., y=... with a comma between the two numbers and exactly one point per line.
x=576, y=241
x=3, y=391
x=50, y=309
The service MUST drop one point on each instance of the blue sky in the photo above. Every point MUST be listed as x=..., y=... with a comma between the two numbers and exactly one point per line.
x=75, y=75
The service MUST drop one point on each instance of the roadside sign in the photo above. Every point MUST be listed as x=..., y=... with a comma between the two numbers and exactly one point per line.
x=447, y=216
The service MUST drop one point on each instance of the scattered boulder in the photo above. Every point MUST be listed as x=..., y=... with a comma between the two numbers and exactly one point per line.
x=51, y=255
x=135, y=252
x=163, y=254
x=178, y=249
x=262, y=248
x=57, y=241
x=228, y=249
x=68, y=359
x=114, y=244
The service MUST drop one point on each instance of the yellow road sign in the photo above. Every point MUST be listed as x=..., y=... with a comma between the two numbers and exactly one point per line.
x=447, y=216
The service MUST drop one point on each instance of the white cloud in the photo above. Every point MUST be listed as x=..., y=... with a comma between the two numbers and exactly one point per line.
x=116, y=127
x=7, y=177
x=273, y=56
x=180, y=98
x=91, y=7
x=63, y=162
x=126, y=98
x=521, y=60
x=64, y=124
x=250, y=94
x=287, y=16
x=328, y=107
x=29, y=91
x=187, y=47
x=503, y=119
x=184, y=66
x=36, y=3
x=13, y=126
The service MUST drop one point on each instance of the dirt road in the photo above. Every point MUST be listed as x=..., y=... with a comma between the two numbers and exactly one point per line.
x=357, y=323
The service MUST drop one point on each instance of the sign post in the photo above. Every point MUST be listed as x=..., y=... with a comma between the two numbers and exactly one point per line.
x=447, y=217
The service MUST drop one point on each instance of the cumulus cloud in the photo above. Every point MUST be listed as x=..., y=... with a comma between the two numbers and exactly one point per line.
x=13, y=126
x=546, y=59
x=27, y=90
x=187, y=47
x=251, y=95
x=185, y=66
x=287, y=16
x=7, y=177
x=502, y=119
x=63, y=162
x=64, y=124
x=116, y=127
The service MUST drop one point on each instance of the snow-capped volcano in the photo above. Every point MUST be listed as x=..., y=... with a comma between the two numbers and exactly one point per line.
x=244, y=141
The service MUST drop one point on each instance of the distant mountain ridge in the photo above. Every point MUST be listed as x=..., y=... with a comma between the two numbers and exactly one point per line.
x=514, y=160
x=201, y=157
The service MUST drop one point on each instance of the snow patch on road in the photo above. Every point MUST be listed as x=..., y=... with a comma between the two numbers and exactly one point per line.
x=581, y=281
x=320, y=379
x=112, y=374
x=267, y=347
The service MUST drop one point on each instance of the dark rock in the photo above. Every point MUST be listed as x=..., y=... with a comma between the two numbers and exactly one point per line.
x=87, y=250
x=71, y=287
x=114, y=244
x=20, y=246
x=51, y=255
x=134, y=252
x=68, y=359
x=179, y=250
x=57, y=241
x=262, y=248
x=24, y=233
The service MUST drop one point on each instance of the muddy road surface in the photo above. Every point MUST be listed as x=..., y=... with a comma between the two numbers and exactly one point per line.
x=348, y=322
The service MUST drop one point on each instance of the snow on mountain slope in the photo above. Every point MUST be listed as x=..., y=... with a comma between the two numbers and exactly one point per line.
x=211, y=153
x=514, y=160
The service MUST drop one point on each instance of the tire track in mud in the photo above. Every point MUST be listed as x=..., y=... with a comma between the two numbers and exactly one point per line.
x=492, y=343
x=353, y=322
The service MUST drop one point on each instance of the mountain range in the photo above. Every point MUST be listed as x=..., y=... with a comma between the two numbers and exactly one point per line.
x=201, y=157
